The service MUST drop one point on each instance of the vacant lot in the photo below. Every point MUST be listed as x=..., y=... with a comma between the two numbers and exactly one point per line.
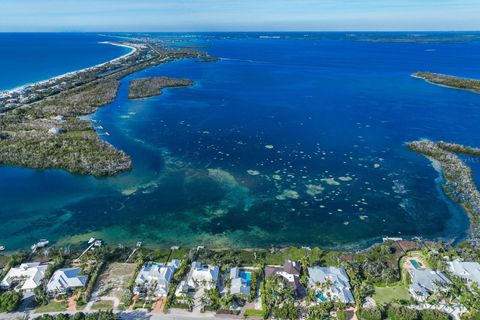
x=52, y=306
x=102, y=305
x=114, y=281
x=384, y=295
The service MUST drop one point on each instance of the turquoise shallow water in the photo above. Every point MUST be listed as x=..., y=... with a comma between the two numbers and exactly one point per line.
x=296, y=140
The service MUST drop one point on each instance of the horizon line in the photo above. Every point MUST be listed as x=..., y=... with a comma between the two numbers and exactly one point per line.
x=251, y=31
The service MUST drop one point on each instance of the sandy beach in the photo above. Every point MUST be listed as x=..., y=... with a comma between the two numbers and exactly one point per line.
x=72, y=73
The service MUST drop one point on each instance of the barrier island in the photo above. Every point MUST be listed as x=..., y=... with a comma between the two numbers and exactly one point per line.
x=41, y=125
x=459, y=185
x=449, y=81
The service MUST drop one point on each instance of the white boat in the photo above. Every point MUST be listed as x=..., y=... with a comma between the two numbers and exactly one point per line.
x=2, y=248
x=40, y=244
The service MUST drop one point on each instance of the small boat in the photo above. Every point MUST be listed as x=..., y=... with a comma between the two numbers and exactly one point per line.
x=40, y=244
x=2, y=248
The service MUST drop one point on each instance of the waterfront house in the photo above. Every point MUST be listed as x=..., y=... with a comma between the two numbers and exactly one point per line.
x=155, y=278
x=290, y=273
x=66, y=280
x=469, y=271
x=25, y=277
x=425, y=282
x=330, y=284
x=203, y=275
x=200, y=276
x=239, y=282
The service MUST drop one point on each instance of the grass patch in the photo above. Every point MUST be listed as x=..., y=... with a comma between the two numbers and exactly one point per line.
x=384, y=295
x=180, y=254
x=253, y=313
x=278, y=258
x=102, y=305
x=52, y=306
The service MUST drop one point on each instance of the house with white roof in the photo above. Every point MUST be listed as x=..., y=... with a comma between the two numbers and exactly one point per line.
x=65, y=280
x=469, y=271
x=203, y=275
x=425, y=282
x=155, y=278
x=25, y=277
x=330, y=284
x=239, y=282
x=200, y=276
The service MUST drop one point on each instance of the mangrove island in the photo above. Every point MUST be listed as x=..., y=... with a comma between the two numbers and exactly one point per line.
x=41, y=125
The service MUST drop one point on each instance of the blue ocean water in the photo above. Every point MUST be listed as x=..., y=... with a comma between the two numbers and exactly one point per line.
x=291, y=139
x=31, y=57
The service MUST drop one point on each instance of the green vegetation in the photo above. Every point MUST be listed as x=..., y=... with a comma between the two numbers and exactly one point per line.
x=399, y=312
x=449, y=81
x=100, y=315
x=459, y=185
x=49, y=133
x=52, y=306
x=102, y=305
x=149, y=87
x=253, y=313
x=367, y=270
x=13, y=261
x=278, y=300
x=385, y=295
x=41, y=297
x=10, y=301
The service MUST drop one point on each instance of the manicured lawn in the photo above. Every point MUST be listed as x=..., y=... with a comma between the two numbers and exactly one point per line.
x=102, y=305
x=254, y=313
x=52, y=306
x=388, y=294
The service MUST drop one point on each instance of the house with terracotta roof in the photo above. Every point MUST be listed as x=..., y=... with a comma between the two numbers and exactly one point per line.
x=290, y=273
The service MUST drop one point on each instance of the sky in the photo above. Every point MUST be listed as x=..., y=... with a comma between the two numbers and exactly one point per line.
x=238, y=15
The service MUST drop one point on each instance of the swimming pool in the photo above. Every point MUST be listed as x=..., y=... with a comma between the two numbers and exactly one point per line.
x=415, y=264
x=321, y=297
x=246, y=275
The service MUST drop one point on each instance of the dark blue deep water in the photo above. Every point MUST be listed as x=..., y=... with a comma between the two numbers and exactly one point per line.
x=27, y=57
x=297, y=139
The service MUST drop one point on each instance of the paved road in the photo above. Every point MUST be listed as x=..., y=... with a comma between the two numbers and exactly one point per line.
x=133, y=315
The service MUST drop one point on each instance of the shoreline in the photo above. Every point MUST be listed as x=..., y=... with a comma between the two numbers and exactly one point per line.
x=442, y=80
x=459, y=185
x=75, y=72
x=37, y=120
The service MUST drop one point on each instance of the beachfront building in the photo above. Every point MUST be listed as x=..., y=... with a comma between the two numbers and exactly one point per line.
x=240, y=282
x=202, y=275
x=468, y=271
x=425, y=282
x=154, y=278
x=66, y=280
x=330, y=284
x=290, y=273
x=25, y=277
